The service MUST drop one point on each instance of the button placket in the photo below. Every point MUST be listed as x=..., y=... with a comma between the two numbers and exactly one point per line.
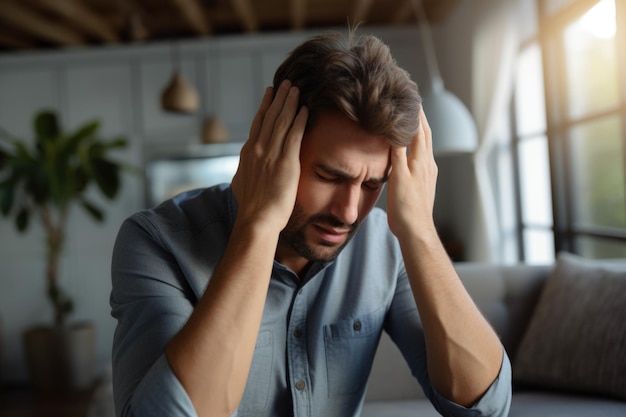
x=297, y=354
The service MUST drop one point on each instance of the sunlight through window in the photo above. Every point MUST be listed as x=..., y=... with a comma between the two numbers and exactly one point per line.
x=600, y=19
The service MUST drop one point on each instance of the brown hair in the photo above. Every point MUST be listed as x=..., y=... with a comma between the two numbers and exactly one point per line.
x=358, y=76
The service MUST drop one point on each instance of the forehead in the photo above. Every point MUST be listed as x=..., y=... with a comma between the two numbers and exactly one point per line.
x=337, y=140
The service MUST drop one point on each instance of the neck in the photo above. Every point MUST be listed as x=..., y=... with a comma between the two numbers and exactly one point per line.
x=287, y=256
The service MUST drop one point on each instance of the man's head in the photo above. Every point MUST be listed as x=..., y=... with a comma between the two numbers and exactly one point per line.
x=361, y=103
x=357, y=76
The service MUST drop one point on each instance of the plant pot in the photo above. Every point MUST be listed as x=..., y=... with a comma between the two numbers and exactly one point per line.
x=61, y=359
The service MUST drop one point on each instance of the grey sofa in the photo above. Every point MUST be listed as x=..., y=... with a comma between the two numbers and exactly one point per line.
x=508, y=297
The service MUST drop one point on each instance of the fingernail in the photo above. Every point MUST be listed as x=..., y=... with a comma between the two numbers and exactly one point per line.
x=285, y=83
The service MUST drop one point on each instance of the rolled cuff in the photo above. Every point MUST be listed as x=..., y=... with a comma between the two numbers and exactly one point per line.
x=495, y=402
x=160, y=394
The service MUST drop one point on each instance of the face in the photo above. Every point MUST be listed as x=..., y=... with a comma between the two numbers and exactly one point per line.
x=343, y=171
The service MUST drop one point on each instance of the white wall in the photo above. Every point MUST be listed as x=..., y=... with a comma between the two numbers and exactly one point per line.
x=121, y=87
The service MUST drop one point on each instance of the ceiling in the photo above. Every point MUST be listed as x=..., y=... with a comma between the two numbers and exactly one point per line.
x=29, y=25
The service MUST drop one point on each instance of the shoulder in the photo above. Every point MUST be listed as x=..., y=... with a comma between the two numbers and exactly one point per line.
x=193, y=210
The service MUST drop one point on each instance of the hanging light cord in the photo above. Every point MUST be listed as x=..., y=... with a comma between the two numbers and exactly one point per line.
x=427, y=41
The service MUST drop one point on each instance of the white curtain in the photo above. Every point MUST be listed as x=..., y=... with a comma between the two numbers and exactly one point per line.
x=495, y=47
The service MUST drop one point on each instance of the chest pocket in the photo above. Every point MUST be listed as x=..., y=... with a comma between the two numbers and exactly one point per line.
x=350, y=348
x=255, y=396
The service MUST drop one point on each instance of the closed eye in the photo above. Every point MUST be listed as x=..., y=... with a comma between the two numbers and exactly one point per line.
x=373, y=185
x=327, y=178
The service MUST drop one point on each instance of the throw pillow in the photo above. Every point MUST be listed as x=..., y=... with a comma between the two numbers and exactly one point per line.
x=576, y=338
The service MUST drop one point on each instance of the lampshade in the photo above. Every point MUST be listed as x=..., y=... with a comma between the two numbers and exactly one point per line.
x=214, y=131
x=452, y=125
x=179, y=96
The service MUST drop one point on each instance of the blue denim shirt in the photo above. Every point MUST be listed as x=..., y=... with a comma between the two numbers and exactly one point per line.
x=318, y=336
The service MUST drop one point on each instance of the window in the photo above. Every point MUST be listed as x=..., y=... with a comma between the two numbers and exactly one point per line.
x=570, y=134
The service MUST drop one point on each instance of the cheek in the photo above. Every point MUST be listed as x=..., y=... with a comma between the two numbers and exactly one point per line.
x=368, y=201
x=312, y=195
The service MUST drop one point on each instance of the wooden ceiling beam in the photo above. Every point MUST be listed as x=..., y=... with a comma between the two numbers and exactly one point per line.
x=361, y=11
x=243, y=9
x=15, y=43
x=17, y=16
x=194, y=14
x=436, y=10
x=404, y=13
x=298, y=14
x=81, y=17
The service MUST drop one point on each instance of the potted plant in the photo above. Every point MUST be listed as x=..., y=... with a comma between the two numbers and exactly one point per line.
x=45, y=181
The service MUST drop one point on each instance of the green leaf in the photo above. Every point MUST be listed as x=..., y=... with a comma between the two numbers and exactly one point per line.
x=4, y=159
x=66, y=307
x=22, y=219
x=93, y=210
x=46, y=126
x=80, y=180
x=107, y=176
x=38, y=184
x=7, y=191
x=22, y=152
x=75, y=139
x=117, y=143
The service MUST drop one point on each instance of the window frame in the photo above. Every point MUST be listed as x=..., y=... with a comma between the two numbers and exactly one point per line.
x=559, y=126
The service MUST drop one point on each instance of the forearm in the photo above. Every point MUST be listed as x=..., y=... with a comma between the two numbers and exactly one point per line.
x=464, y=354
x=211, y=355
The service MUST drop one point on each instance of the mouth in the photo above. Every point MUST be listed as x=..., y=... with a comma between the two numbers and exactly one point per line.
x=331, y=234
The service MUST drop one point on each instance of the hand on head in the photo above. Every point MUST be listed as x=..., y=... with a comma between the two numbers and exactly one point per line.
x=266, y=181
x=412, y=183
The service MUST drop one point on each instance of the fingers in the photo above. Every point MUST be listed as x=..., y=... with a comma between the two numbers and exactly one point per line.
x=428, y=136
x=257, y=122
x=280, y=115
x=421, y=146
x=294, y=138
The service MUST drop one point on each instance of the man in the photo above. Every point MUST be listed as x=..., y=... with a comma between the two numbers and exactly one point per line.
x=268, y=297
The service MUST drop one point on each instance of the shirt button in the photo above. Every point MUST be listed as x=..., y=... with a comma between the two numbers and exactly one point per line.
x=297, y=333
x=300, y=385
x=357, y=325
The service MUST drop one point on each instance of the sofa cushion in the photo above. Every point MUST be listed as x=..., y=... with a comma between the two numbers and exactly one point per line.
x=399, y=408
x=576, y=339
x=545, y=404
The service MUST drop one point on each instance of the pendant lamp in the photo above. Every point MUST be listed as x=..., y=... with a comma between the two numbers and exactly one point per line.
x=179, y=96
x=453, y=127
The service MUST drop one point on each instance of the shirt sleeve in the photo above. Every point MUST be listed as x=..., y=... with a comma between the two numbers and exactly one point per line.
x=151, y=302
x=495, y=402
x=405, y=329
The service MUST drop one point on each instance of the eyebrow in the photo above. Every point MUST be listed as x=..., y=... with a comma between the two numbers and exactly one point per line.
x=336, y=172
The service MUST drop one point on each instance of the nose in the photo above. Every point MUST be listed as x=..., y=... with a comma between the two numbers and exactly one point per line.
x=345, y=204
